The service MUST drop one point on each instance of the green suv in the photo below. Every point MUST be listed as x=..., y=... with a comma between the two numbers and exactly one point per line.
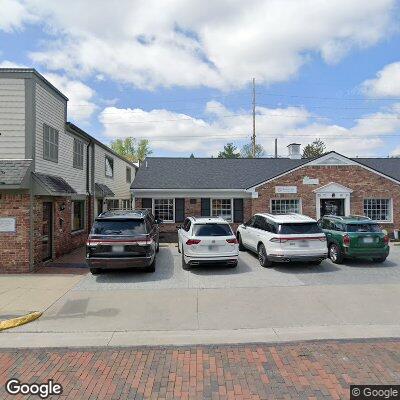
x=354, y=236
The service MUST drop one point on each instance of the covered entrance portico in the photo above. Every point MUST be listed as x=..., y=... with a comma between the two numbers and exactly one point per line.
x=332, y=199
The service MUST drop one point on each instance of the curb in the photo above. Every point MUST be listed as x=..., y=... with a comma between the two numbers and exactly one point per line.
x=14, y=322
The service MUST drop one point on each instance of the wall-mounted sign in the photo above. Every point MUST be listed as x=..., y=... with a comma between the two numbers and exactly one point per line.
x=310, y=181
x=285, y=189
x=7, y=224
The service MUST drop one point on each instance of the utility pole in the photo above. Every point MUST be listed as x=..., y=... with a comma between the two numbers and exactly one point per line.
x=276, y=147
x=254, y=119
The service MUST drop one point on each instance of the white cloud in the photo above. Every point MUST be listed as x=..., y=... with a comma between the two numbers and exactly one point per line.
x=396, y=152
x=181, y=133
x=386, y=83
x=13, y=15
x=153, y=43
x=11, y=64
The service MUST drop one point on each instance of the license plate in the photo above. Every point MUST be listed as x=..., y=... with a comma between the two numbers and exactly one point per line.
x=303, y=243
x=118, y=249
x=368, y=240
x=212, y=247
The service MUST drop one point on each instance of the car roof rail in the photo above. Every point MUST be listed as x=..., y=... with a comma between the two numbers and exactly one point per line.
x=335, y=217
x=355, y=216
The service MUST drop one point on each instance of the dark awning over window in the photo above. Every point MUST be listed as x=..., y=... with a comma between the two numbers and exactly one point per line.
x=102, y=190
x=54, y=184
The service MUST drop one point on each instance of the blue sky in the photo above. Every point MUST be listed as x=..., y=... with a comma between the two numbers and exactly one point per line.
x=180, y=75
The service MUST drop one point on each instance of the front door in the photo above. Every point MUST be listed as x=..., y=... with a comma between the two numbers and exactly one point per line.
x=47, y=231
x=332, y=207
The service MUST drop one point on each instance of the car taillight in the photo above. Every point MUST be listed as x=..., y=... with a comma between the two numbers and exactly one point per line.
x=278, y=240
x=232, y=241
x=193, y=241
x=144, y=241
x=346, y=240
x=386, y=239
x=91, y=244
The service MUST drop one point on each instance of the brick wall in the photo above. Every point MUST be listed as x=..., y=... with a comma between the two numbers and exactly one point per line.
x=365, y=184
x=14, y=247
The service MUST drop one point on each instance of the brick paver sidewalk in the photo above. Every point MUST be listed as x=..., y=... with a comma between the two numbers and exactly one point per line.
x=306, y=370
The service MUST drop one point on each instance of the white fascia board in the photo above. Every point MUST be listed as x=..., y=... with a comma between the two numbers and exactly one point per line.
x=223, y=193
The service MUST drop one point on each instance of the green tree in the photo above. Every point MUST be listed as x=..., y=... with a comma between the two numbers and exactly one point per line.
x=314, y=149
x=229, y=151
x=131, y=149
x=191, y=156
x=247, y=151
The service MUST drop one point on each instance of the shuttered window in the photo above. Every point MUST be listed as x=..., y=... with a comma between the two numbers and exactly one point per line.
x=238, y=210
x=78, y=154
x=179, y=210
x=205, y=208
x=50, y=143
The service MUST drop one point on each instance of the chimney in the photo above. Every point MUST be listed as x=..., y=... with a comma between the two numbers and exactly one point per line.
x=294, y=151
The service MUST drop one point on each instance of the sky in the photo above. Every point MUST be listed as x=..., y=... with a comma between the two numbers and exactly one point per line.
x=179, y=73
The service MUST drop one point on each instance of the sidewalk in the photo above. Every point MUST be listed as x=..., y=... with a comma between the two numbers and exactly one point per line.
x=305, y=370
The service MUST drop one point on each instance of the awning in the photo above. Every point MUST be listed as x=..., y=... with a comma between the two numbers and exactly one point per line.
x=15, y=174
x=52, y=185
x=102, y=190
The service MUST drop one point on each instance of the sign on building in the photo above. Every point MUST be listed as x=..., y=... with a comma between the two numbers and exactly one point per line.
x=310, y=181
x=285, y=189
x=7, y=224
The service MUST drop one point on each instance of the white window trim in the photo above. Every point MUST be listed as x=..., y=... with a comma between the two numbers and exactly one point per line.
x=286, y=198
x=105, y=166
x=232, y=209
x=173, y=207
x=389, y=221
x=75, y=232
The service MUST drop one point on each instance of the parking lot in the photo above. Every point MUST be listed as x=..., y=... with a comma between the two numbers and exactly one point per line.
x=170, y=275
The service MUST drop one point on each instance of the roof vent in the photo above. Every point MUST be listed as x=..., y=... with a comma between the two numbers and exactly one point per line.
x=294, y=151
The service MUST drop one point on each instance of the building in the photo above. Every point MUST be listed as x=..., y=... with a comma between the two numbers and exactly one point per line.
x=54, y=177
x=237, y=188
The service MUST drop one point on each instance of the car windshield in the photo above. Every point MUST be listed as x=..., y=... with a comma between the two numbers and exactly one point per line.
x=119, y=227
x=363, y=228
x=212, y=230
x=300, y=228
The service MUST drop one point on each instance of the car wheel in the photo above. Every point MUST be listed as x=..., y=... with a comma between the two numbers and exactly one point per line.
x=241, y=247
x=179, y=247
x=262, y=257
x=158, y=246
x=380, y=259
x=335, y=253
x=152, y=266
x=95, y=271
x=185, y=266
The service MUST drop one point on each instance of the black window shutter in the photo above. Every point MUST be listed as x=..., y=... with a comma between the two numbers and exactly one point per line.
x=238, y=210
x=179, y=210
x=205, y=208
x=147, y=203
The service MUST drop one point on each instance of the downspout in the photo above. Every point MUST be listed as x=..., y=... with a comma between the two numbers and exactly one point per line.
x=88, y=192
x=93, y=178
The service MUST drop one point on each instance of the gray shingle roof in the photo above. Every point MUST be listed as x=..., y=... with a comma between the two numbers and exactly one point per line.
x=242, y=173
x=102, y=190
x=13, y=172
x=209, y=173
x=54, y=184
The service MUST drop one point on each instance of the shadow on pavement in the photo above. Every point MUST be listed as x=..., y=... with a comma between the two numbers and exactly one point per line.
x=241, y=268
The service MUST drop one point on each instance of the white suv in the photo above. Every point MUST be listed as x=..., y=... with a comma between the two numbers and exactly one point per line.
x=207, y=241
x=283, y=238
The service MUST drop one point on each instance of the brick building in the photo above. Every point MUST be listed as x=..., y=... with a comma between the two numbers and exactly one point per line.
x=237, y=188
x=54, y=177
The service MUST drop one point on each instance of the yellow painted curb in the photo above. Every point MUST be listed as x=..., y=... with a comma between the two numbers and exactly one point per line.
x=14, y=322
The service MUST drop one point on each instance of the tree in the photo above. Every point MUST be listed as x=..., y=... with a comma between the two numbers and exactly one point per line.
x=314, y=149
x=247, y=151
x=132, y=150
x=229, y=151
x=191, y=156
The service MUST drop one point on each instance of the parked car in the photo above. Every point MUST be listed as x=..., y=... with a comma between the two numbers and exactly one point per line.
x=283, y=238
x=354, y=236
x=207, y=241
x=123, y=239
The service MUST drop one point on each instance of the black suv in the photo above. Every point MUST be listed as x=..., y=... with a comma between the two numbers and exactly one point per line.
x=123, y=239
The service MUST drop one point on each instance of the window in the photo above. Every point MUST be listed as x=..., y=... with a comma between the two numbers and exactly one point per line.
x=78, y=215
x=259, y=223
x=378, y=209
x=109, y=167
x=126, y=204
x=300, y=228
x=78, y=154
x=119, y=227
x=128, y=175
x=222, y=208
x=113, y=204
x=50, y=143
x=212, y=230
x=285, y=206
x=186, y=225
x=164, y=209
x=363, y=228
